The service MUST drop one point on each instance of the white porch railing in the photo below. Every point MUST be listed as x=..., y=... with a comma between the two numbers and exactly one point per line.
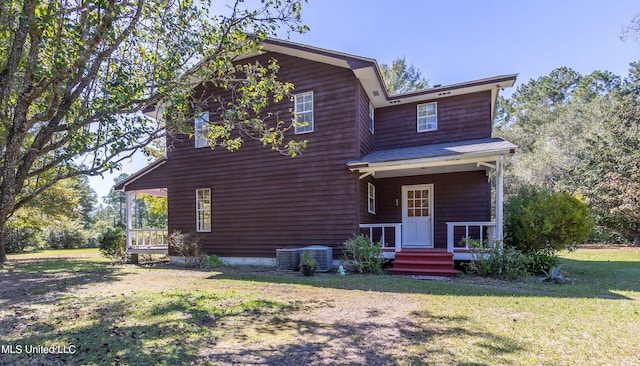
x=397, y=227
x=149, y=238
x=484, y=232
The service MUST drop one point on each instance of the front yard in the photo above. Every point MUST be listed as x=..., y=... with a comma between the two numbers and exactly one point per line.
x=81, y=310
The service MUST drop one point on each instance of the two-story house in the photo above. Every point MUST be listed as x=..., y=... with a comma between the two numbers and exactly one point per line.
x=415, y=171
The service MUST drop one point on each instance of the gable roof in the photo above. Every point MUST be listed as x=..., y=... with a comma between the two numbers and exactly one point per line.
x=368, y=72
x=370, y=77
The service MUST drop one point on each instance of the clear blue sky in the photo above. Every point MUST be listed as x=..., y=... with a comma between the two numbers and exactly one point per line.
x=455, y=41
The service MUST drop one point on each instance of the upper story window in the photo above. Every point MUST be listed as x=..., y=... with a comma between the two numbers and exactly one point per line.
x=203, y=210
x=427, y=117
x=371, y=198
x=371, y=119
x=303, y=104
x=200, y=129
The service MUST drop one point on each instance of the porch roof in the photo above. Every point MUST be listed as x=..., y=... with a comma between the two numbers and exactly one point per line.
x=439, y=158
x=151, y=179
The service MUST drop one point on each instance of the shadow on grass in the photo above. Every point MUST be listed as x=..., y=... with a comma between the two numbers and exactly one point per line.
x=588, y=279
x=361, y=343
x=186, y=326
x=169, y=328
x=605, y=275
x=41, y=280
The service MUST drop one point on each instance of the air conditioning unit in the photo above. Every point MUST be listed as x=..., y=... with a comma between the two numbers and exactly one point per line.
x=287, y=259
x=323, y=256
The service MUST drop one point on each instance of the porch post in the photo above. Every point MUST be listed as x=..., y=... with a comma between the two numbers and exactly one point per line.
x=129, y=216
x=499, y=199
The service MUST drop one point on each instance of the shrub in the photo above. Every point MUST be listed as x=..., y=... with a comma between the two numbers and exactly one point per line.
x=211, y=261
x=17, y=239
x=187, y=246
x=65, y=234
x=538, y=219
x=361, y=256
x=508, y=263
x=113, y=245
x=540, y=260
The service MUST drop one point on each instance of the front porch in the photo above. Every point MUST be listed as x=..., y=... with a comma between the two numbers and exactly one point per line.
x=461, y=237
x=443, y=198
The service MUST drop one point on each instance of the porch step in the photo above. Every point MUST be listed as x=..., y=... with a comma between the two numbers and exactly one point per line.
x=424, y=263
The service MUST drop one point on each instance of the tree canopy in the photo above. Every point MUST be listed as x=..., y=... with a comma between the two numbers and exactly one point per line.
x=401, y=78
x=579, y=134
x=76, y=77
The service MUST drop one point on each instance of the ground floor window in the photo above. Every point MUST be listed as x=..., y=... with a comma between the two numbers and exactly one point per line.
x=203, y=210
x=371, y=205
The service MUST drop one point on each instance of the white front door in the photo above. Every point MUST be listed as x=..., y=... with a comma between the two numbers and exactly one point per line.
x=417, y=216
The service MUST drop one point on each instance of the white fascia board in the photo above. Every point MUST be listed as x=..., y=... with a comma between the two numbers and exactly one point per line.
x=372, y=86
x=306, y=55
x=432, y=162
x=449, y=91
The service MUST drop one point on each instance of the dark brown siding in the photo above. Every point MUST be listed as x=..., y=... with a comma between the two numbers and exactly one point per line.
x=365, y=216
x=464, y=117
x=367, y=139
x=367, y=145
x=457, y=197
x=262, y=200
x=157, y=178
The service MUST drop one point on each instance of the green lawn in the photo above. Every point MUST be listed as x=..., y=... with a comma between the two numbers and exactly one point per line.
x=160, y=314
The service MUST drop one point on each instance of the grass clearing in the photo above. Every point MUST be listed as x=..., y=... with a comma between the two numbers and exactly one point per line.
x=131, y=315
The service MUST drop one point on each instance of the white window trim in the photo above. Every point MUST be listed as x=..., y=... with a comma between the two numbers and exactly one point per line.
x=206, y=210
x=372, y=121
x=435, y=127
x=199, y=131
x=371, y=198
x=303, y=129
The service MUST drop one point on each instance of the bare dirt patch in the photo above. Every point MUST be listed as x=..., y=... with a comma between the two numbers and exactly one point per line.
x=159, y=314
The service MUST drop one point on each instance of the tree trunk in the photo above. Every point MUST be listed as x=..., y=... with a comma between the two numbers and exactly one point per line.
x=3, y=255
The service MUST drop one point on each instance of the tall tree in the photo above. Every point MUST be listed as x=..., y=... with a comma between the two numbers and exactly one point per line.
x=116, y=205
x=401, y=78
x=75, y=77
x=610, y=168
x=579, y=134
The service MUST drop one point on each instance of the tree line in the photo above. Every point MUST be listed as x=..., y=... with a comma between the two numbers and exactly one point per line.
x=68, y=216
x=579, y=134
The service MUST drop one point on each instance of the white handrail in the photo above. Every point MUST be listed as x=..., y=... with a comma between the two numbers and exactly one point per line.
x=149, y=237
x=489, y=225
x=397, y=230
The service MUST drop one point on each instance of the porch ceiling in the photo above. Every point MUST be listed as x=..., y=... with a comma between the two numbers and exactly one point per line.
x=433, y=159
x=160, y=192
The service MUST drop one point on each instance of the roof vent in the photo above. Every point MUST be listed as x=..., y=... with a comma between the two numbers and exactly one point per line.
x=376, y=93
x=437, y=85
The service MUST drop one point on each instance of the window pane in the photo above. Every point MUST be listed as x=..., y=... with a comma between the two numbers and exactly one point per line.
x=203, y=209
x=304, y=112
